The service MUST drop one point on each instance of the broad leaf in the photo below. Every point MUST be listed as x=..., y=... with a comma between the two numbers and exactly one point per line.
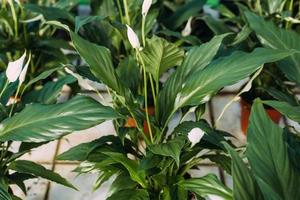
x=131, y=166
x=133, y=194
x=268, y=156
x=39, y=123
x=100, y=61
x=292, y=112
x=81, y=21
x=28, y=167
x=159, y=55
x=171, y=148
x=4, y=195
x=207, y=185
x=203, y=84
x=50, y=91
x=122, y=182
x=244, y=184
x=41, y=76
x=278, y=38
x=275, y=6
x=183, y=13
x=82, y=151
x=50, y=13
x=197, y=59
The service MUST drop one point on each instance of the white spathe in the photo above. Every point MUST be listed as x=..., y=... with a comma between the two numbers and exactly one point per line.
x=188, y=28
x=24, y=71
x=14, y=69
x=146, y=6
x=195, y=135
x=133, y=38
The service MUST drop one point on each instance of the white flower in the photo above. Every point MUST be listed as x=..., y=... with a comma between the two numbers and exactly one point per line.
x=146, y=6
x=24, y=71
x=188, y=28
x=133, y=38
x=14, y=68
x=195, y=135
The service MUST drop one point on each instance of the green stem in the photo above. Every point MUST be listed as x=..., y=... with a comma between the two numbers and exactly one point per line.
x=120, y=11
x=126, y=12
x=146, y=95
x=4, y=88
x=290, y=8
x=153, y=90
x=14, y=15
x=143, y=31
x=13, y=105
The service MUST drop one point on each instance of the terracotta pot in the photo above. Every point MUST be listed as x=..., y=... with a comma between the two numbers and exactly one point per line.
x=245, y=114
x=131, y=123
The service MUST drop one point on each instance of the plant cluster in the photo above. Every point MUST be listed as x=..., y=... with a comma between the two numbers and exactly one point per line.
x=159, y=71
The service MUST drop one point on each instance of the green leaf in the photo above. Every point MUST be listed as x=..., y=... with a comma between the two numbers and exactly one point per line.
x=50, y=13
x=268, y=156
x=4, y=195
x=207, y=185
x=122, y=182
x=28, y=167
x=39, y=123
x=171, y=148
x=285, y=96
x=131, y=166
x=41, y=76
x=244, y=184
x=183, y=13
x=275, y=6
x=137, y=194
x=81, y=151
x=159, y=55
x=50, y=91
x=278, y=38
x=292, y=112
x=203, y=84
x=197, y=59
x=83, y=20
x=242, y=35
x=100, y=61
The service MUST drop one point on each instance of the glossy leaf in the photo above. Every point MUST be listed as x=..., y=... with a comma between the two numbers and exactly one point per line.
x=159, y=55
x=171, y=148
x=292, y=112
x=100, y=61
x=268, y=155
x=131, y=166
x=197, y=59
x=207, y=185
x=278, y=38
x=137, y=194
x=191, y=8
x=201, y=85
x=244, y=183
x=49, y=92
x=4, y=191
x=39, y=123
x=81, y=151
x=28, y=167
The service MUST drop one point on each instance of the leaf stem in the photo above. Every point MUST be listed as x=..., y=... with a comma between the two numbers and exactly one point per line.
x=14, y=16
x=126, y=12
x=4, y=88
x=15, y=101
x=145, y=94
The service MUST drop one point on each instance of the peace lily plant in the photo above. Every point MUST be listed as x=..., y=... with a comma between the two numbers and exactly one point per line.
x=150, y=157
x=30, y=119
x=159, y=82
